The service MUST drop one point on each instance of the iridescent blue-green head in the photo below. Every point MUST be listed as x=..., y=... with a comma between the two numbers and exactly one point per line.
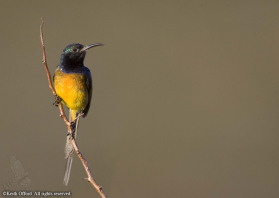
x=73, y=55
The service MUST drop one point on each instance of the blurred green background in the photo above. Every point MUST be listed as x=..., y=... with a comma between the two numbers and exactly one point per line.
x=185, y=100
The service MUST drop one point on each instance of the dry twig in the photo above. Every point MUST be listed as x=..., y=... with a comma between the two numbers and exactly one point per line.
x=64, y=117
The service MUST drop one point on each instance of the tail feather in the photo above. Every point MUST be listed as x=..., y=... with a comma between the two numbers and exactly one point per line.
x=68, y=169
x=69, y=150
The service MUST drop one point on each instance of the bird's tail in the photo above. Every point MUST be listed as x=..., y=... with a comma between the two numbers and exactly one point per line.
x=69, y=150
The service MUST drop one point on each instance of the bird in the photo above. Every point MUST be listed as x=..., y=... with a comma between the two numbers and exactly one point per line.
x=73, y=86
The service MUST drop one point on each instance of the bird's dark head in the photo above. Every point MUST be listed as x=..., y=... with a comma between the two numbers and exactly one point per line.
x=73, y=55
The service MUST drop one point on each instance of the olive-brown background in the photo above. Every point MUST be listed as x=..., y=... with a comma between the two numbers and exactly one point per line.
x=185, y=101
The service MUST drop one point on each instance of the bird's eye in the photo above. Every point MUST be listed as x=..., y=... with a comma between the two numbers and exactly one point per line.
x=75, y=49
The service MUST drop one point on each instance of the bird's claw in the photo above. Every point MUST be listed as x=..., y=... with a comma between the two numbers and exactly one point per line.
x=73, y=124
x=57, y=100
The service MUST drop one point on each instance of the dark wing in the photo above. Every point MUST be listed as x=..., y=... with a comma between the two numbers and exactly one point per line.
x=88, y=82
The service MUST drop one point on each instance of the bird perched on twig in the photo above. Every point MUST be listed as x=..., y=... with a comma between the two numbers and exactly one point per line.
x=73, y=86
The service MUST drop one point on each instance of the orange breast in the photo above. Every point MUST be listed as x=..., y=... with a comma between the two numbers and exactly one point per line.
x=70, y=87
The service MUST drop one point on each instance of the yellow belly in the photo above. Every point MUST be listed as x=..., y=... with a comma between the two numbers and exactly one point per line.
x=71, y=89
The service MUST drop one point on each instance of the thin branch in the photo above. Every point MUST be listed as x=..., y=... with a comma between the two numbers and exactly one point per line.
x=64, y=117
x=44, y=61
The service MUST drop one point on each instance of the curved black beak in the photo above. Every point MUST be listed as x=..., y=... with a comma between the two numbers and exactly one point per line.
x=90, y=46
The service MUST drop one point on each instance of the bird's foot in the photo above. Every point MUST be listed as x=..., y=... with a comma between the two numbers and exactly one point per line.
x=73, y=125
x=57, y=100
